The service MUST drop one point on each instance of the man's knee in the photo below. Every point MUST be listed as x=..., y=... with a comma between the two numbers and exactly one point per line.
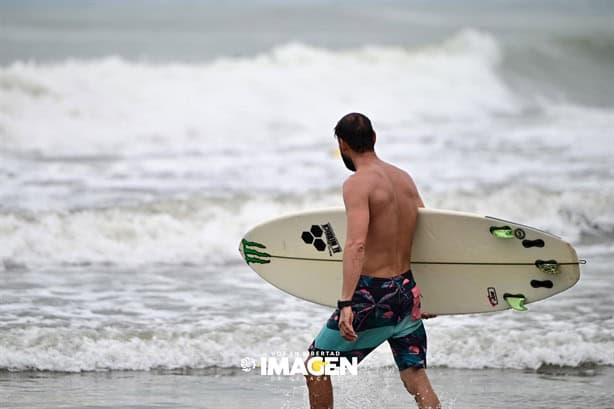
x=418, y=385
x=416, y=382
x=411, y=378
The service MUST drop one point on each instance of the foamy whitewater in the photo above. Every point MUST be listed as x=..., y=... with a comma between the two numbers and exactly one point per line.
x=125, y=187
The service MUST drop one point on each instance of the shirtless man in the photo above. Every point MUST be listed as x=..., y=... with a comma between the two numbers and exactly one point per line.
x=380, y=300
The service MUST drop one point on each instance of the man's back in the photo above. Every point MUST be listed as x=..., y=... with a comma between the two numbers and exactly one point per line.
x=393, y=209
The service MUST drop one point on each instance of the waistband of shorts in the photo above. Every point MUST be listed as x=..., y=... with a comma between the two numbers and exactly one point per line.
x=408, y=274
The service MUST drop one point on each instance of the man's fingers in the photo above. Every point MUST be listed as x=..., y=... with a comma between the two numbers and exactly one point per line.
x=348, y=336
x=345, y=326
x=343, y=332
x=350, y=331
x=347, y=332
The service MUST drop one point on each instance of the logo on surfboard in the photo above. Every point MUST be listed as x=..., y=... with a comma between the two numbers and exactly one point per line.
x=252, y=255
x=492, y=296
x=322, y=236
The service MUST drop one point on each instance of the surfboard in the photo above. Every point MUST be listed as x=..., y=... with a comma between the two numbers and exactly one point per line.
x=463, y=263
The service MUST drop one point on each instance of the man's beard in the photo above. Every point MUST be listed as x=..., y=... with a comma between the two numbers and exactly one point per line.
x=348, y=163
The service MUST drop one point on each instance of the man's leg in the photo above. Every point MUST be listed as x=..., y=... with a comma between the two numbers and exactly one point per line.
x=417, y=383
x=320, y=391
x=329, y=339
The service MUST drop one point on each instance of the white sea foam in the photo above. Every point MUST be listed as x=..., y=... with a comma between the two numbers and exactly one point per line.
x=206, y=230
x=81, y=133
x=194, y=231
x=114, y=106
x=466, y=344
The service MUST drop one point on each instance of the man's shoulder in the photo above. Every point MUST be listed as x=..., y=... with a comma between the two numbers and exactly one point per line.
x=361, y=176
x=357, y=182
x=353, y=180
x=397, y=169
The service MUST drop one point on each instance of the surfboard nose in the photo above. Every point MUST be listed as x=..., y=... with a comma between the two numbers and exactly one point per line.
x=241, y=249
x=253, y=252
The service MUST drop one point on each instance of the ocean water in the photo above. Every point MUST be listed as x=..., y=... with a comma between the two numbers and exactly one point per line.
x=139, y=142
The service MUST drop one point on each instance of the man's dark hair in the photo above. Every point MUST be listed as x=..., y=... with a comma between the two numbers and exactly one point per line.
x=356, y=130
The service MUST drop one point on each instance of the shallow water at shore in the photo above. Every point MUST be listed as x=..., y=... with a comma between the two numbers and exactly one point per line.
x=549, y=387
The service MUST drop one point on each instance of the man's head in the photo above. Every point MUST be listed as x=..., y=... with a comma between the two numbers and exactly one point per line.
x=355, y=136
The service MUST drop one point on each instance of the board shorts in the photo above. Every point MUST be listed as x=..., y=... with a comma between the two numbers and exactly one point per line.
x=385, y=309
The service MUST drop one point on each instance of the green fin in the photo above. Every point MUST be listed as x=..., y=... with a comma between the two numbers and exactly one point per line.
x=515, y=301
x=504, y=232
x=548, y=267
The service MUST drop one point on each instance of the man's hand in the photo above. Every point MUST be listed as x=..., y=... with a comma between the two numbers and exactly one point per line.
x=346, y=316
x=426, y=316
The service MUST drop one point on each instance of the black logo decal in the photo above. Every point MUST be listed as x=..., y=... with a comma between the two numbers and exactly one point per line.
x=492, y=296
x=520, y=234
x=533, y=243
x=320, y=232
x=538, y=283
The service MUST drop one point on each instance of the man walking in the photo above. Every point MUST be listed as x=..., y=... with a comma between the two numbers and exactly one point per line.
x=380, y=300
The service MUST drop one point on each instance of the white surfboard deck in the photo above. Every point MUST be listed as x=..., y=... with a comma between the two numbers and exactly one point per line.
x=459, y=265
